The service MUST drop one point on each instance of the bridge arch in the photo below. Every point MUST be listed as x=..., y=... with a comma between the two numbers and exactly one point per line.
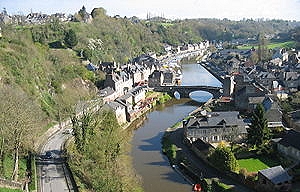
x=185, y=91
x=200, y=96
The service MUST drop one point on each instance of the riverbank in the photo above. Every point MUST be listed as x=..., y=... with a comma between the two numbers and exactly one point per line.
x=193, y=168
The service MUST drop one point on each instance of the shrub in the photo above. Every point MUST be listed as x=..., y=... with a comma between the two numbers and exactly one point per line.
x=223, y=159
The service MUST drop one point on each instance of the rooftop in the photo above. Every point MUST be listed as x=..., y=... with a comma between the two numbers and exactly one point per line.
x=276, y=174
x=211, y=119
x=291, y=138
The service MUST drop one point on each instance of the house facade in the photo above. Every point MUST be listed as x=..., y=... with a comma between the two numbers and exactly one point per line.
x=155, y=79
x=119, y=111
x=120, y=82
x=214, y=127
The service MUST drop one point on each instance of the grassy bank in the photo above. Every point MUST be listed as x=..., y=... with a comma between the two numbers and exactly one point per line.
x=9, y=190
x=9, y=165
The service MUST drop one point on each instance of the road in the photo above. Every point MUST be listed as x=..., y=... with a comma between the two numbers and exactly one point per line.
x=51, y=168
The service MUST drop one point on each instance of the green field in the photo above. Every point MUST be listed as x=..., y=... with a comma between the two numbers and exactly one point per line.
x=256, y=164
x=287, y=44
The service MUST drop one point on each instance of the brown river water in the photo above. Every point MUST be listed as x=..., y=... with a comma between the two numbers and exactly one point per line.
x=149, y=162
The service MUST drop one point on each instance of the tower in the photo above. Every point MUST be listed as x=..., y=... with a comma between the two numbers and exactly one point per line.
x=228, y=86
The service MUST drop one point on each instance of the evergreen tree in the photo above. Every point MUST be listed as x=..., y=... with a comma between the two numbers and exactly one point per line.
x=262, y=51
x=258, y=131
x=71, y=38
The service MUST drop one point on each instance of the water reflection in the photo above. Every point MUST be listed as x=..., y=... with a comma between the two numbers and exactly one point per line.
x=195, y=74
x=148, y=159
x=200, y=96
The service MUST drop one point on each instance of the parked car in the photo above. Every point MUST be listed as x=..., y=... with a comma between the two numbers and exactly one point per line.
x=49, y=155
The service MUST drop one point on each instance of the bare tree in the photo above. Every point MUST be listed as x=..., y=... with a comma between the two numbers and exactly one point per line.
x=19, y=122
x=232, y=137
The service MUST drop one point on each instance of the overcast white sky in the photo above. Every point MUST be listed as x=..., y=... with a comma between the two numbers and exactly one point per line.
x=173, y=9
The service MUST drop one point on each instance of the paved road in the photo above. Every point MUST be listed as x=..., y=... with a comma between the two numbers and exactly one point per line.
x=207, y=171
x=53, y=175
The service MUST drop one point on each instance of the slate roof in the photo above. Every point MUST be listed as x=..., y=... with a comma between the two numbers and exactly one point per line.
x=106, y=91
x=273, y=112
x=216, y=119
x=276, y=174
x=115, y=105
x=92, y=67
x=126, y=96
x=291, y=138
x=136, y=90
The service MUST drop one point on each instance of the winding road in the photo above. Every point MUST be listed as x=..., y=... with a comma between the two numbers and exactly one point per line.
x=51, y=167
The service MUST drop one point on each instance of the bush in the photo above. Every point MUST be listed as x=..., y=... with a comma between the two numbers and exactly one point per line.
x=169, y=149
x=223, y=159
x=220, y=187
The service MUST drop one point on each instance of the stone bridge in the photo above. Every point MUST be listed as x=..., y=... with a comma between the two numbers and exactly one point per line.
x=185, y=91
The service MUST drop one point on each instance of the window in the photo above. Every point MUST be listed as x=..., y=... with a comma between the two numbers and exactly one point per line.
x=215, y=138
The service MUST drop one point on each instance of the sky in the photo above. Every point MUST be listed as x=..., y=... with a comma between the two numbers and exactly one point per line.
x=172, y=9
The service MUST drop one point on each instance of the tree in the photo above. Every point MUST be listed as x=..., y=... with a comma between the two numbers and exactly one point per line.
x=71, y=38
x=223, y=159
x=233, y=137
x=19, y=120
x=258, y=131
x=262, y=51
x=98, y=13
x=96, y=151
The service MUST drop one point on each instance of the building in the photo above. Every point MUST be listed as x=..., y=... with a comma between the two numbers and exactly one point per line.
x=138, y=95
x=120, y=82
x=245, y=90
x=118, y=109
x=214, y=127
x=273, y=111
x=289, y=144
x=107, y=94
x=155, y=79
x=228, y=86
x=168, y=77
x=274, y=179
x=293, y=119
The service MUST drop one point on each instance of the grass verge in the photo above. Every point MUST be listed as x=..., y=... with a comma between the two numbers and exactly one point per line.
x=9, y=190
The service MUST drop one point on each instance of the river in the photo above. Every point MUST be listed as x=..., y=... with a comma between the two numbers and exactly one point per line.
x=148, y=160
